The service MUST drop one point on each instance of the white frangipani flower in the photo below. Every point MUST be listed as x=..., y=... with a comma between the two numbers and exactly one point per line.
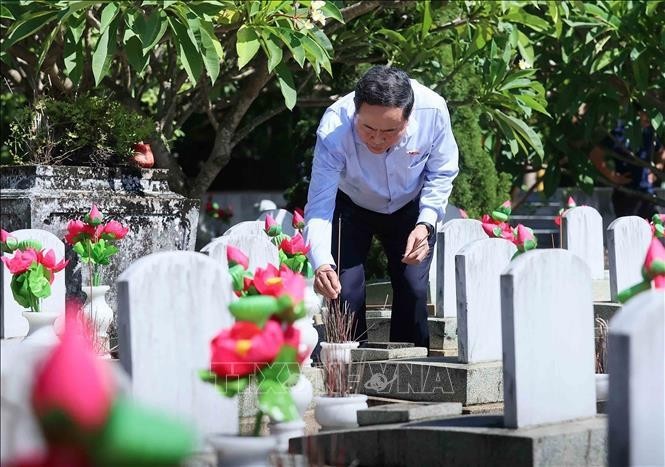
x=318, y=17
x=317, y=5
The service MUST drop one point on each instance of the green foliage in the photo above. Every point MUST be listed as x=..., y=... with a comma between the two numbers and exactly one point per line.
x=31, y=286
x=98, y=252
x=89, y=130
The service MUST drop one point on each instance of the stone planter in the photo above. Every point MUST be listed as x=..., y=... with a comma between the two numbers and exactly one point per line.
x=47, y=197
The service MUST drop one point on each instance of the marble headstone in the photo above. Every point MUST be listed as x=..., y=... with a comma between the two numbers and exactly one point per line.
x=258, y=248
x=283, y=218
x=636, y=404
x=170, y=306
x=452, y=212
x=628, y=239
x=450, y=239
x=547, y=326
x=582, y=229
x=245, y=228
x=478, y=269
x=13, y=324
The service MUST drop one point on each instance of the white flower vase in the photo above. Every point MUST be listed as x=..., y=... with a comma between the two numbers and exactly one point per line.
x=284, y=431
x=309, y=337
x=302, y=393
x=336, y=413
x=41, y=327
x=100, y=315
x=337, y=352
x=242, y=451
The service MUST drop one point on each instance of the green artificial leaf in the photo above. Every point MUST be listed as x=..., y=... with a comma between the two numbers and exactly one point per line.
x=276, y=401
x=284, y=369
x=104, y=51
x=20, y=289
x=207, y=376
x=138, y=436
x=255, y=308
x=80, y=250
x=231, y=387
x=237, y=274
x=38, y=282
x=187, y=50
x=247, y=44
x=288, y=88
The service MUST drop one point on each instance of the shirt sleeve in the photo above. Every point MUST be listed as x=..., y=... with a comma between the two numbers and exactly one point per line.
x=440, y=171
x=326, y=169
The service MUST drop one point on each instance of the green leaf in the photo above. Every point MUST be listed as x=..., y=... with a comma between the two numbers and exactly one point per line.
x=331, y=11
x=427, y=18
x=276, y=401
x=274, y=50
x=284, y=369
x=651, y=6
x=255, y=308
x=286, y=85
x=104, y=51
x=150, y=29
x=73, y=55
x=213, y=52
x=207, y=376
x=315, y=54
x=294, y=44
x=20, y=289
x=247, y=44
x=5, y=13
x=46, y=47
x=533, y=103
x=38, y=281
x=108, y=14
x=523, y=130
x=187, y=50
x=392, y=35
x=134, y=51
x=27, y=27
x=231, y=387
x=519, y=15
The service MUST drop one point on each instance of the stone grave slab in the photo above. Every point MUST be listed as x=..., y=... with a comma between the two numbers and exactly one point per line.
x=546, y=300
x=403, y=413
x=636, y=403
x=628, y=239
x=442, y=331
x=450, y=239
x=245, y=228
x=12, y=322
x=389, y=345
x=367, y=354
x=171, y=305
x=582, y=234
x=258, y=248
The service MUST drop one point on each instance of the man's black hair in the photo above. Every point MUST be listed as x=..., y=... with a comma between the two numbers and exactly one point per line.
x=385, y=86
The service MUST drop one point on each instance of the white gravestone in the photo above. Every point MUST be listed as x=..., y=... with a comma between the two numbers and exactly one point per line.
x=13, y=324
x=452, y=212
x=582, y=229
x=628, y=239
x=636, y=404
x=283, y=218
x=478, y=269
x=258, y=248
x=548, y=339
x=170, y=306
x=450, y=239
x=245, y=228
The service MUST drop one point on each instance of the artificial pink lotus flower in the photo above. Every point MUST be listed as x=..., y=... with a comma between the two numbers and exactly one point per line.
x=75, y=230
x=235, y=256
x=114, y=230
x=524, y=239
x=298, y=220
x=57, y=455
x=73, y=382
x=4, y=235
x=21, y=261
x=244, y=348
x=654, y=262
x=292, y=339
x=47, y=259
x=271, y=226
x=294, y=245
x=279, y=282
x=571, y=203
x=94, y=217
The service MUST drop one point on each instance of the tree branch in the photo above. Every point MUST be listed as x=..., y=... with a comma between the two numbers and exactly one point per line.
x=255, y=123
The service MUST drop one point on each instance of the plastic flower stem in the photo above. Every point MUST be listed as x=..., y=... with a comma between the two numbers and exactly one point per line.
x=626, y=294
x=257, y=423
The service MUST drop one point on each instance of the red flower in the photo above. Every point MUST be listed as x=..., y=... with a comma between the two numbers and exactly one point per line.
x=114, y=230
x=235, y=256
x=654, y=262
x=47, y=259
x=73, y=382
x=77, y=230
x=244, y=348
x=294, y=245
x=298, y=220
x=21, y=261
x=56, y=456
x=271, y=227
x=277, y=283
x=292, y=339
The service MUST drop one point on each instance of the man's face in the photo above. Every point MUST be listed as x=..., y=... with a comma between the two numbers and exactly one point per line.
x=380, y=127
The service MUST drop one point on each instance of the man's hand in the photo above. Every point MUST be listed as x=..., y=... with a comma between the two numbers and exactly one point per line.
x=326, y=282
x=417, y=246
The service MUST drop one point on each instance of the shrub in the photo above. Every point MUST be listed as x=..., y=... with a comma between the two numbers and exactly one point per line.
x=88, y=130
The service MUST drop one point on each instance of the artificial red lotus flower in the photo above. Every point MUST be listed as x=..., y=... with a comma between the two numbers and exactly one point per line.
x=293, y=285
x=271, y=226
x=244, y=348
x=654, y=262
x=294, y=245
x=94, y=217
x=57, y=455
x=570, y=203
x=75, y=230
x=496, y=229
x=73, y=383
x=298, y=220
x=47, y=259
x=235, y=256
x=21, y=261
x=524, y=238
x=292, y=339
x=267, y=281
x=114, y=230
x=143, y=156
